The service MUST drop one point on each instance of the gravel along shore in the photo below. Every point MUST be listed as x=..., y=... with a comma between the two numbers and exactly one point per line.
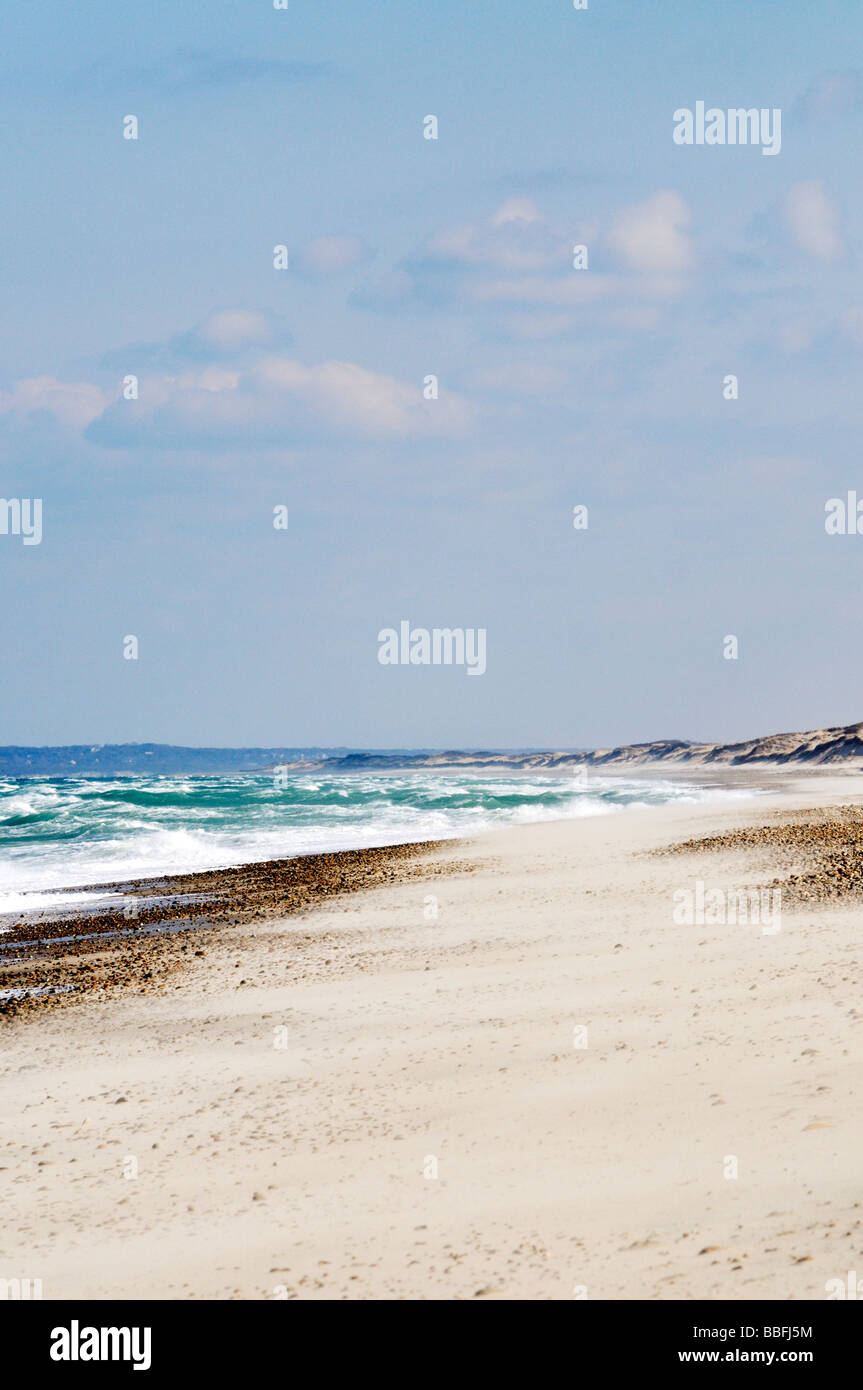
x=147, y=933
x=820, y=851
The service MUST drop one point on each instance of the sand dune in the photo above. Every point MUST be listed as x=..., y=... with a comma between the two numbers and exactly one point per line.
x=816, y=746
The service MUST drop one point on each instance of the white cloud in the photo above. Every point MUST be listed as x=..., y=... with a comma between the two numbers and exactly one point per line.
x=354, y=398
x=514, y=240
x=280, y=399
x=76, y=403
x=516, y=210
x=328, y=255
x=270, y=397
x=517, y=259
x=813, y=221
x=652, y=236
x=231, y=329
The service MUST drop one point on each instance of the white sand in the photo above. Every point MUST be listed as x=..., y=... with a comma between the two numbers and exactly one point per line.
x=264, y=1170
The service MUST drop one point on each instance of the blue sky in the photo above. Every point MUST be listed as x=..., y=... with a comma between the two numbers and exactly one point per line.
x=408, y=257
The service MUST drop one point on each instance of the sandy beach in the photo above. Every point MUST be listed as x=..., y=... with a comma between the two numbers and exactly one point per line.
x=514, y=1075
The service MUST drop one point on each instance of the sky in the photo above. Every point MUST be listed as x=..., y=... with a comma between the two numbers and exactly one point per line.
x=304, y=388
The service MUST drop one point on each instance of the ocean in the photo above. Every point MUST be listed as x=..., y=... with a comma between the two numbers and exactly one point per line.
x=69, y=832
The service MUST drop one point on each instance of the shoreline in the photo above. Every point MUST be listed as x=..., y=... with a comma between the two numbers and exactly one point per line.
x=142, y=934
x=137, y=930
x=155, y=921
x=143, y=928
x=513, y=1075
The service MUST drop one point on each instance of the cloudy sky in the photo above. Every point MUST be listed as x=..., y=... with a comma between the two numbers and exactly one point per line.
x=260, y=387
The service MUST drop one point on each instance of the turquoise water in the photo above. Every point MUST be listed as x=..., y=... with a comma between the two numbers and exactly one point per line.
x=71, y=831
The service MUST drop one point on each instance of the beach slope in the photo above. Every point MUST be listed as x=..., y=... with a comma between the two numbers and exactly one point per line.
x=518, y=1078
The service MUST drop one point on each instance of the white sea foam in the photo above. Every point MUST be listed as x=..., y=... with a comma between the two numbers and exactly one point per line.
x=72, y=832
